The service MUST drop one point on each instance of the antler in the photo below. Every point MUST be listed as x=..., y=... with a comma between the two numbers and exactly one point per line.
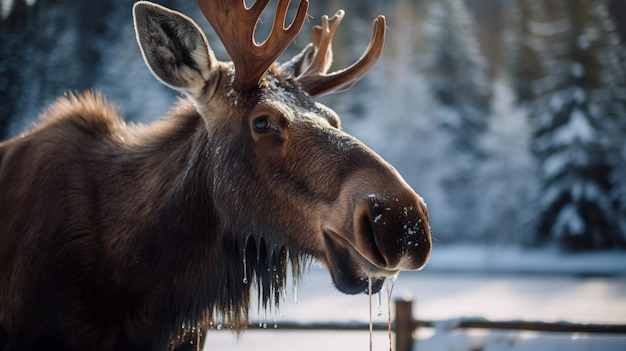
x=314, y=79
x=235, y=25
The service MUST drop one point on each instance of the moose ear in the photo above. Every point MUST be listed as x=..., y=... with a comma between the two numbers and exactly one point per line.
x=299, y=63
x=173, y=46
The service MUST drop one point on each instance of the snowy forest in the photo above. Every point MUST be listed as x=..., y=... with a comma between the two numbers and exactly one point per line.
x=507, y=116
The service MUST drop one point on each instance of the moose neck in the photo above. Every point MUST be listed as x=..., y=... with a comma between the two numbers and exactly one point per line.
x=211, y=263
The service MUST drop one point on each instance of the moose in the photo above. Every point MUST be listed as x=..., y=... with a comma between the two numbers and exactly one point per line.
x=117, y=236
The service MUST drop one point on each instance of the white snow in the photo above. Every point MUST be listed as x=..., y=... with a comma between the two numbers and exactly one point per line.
x=459, y=282
x=5, y=8
x=556, y=164
x=577, y=69
x=509, y=259
x=577, y=129
x=550, y=28
x=521, y=342
x=569, y=221
x=378, y=218
x=7, y=5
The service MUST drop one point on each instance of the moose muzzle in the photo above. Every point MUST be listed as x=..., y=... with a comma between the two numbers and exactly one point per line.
x=378, y=227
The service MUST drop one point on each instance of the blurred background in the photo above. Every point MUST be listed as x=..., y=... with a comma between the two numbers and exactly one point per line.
x=507, y=116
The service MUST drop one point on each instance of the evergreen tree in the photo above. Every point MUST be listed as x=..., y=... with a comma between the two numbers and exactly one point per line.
x=457, y=74
x=16, y=33
x=612, y=101
x=574, y=133
x=457, y=77
x=49, y=47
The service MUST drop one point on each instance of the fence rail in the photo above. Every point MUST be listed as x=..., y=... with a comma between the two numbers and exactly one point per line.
x=405, y=325
x=330, y=326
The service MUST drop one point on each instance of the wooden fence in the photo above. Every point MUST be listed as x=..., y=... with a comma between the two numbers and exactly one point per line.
x=405, y=325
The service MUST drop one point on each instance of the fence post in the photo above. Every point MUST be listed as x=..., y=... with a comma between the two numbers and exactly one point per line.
x=404, y=325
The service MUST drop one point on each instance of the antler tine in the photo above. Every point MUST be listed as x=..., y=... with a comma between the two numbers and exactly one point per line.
x=235, y=25
x=322, y=39
x=316, y=82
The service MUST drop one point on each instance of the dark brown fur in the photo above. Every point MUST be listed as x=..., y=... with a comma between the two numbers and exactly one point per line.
x=106, y=204
x=131, y=237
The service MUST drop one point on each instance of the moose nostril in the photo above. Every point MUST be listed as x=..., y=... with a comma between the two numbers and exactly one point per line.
x=368, y=234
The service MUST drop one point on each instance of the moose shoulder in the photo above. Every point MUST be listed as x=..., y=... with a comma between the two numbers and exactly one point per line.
x=130, y=237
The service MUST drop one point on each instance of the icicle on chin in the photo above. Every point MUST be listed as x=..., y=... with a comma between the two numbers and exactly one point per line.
x=245, y=268
x=369, y=291
x=389, y=284
x=379, y=302
x=295, y=291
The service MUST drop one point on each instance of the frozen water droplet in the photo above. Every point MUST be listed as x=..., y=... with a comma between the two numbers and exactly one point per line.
x=379, y=302
x=377, y=218
x=295, y=290
x=245, y=267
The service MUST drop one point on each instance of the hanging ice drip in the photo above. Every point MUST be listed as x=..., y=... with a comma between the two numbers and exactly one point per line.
x=389, y=284
x=245, y=268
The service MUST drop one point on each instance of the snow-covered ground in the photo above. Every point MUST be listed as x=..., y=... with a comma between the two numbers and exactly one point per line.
x=494, y=283
x=513, y=259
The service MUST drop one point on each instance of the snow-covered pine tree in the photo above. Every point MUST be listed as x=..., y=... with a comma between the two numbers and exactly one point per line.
x=48, y=48
x=612, y=101
x=574, y=135
x=457, y=74
x=457, y=77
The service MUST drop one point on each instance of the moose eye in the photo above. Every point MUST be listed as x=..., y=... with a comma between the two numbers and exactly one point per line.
x=263, y=124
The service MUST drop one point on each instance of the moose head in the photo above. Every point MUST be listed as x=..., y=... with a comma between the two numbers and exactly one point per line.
x=284, y=172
